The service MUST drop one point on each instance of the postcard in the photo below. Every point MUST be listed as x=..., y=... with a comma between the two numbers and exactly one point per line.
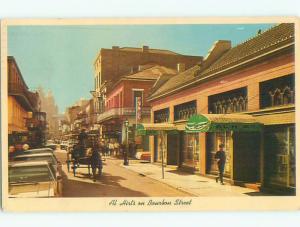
x=149, y=114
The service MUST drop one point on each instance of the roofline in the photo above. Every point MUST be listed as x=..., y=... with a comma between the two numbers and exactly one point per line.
x=209, y=76
x=12, y=58
x=122, y=49
x=136, y=79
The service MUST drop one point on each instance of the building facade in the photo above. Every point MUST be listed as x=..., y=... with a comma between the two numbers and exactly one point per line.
x=111, y=64
x=254, y=79
x=126, y=102
x=26, y=122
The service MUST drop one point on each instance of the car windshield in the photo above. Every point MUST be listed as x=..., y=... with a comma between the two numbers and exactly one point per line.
x=29, y=174
x=50, y=159
x=38, y=152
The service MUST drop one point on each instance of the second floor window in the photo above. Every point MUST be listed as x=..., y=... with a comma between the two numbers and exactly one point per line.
x=277, y=92
x=185, y=111
x=161, y=116
x=229, y=102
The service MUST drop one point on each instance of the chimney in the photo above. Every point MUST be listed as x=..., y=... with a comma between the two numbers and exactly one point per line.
x=180, y=67
x=115, y=47
x=217, y=50
x=145, y=48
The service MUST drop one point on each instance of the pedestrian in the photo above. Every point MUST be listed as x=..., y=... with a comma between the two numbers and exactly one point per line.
x=11, y=151
x=106, y=149
x=220, y=156
x=111, y=148
x=96, y=161
x=125, y=154
x=25, y=147
x=116, y=147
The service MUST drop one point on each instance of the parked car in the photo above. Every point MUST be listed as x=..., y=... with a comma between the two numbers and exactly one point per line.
x=52, y=146
x=145, y=156
x=50, y=158
x=33, y=179
x=39, y=151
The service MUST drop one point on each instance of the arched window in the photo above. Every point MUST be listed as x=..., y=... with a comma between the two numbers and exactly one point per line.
x=241, y=104
x=215, y=107
x=229, y=106
x=234, y=105
x=277, y=97
x=224, y=106
x=219, y=107
x=287, y=95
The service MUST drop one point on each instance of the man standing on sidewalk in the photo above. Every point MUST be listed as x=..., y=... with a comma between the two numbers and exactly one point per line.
x=221, y=159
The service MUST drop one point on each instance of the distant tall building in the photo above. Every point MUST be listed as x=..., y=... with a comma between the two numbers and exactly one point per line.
x=48, y=105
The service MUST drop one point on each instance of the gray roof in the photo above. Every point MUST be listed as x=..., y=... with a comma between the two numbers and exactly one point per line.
x=271, y=39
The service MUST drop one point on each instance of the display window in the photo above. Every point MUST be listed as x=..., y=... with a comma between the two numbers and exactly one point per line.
x=191, y=150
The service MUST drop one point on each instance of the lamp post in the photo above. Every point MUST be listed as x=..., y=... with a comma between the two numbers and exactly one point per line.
x=162, y=153
x=126, y=123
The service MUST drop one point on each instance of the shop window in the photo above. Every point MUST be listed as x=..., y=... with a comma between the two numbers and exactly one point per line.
x=185, y=111
x=161, y=115
x=229, y=102
x=213, y=142
x=191, y=150
x=279, y=157
x=277, y=92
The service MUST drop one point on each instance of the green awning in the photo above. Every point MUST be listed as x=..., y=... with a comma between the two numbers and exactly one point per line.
x=155, y=128
x=222, y=123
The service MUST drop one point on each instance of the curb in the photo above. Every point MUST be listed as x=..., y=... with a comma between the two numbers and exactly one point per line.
x=165, y=183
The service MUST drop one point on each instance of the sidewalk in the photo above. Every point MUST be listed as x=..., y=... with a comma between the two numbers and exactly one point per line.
x=190, y=183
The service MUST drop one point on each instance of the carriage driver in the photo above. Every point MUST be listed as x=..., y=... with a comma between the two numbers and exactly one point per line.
x=96, y=160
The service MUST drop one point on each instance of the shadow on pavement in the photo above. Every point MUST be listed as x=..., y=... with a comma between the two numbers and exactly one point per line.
x=105, y=186
x=257, y=194
x=179, y=172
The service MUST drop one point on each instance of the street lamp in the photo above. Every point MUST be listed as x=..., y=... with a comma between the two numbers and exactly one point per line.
x=126, y=123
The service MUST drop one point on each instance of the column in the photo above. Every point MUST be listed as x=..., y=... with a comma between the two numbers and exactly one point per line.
x=202, y=108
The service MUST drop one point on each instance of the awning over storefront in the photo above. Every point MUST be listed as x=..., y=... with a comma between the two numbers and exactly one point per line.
x=154, y=128
x=222, y=122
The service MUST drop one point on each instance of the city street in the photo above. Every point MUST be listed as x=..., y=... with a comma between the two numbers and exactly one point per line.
x=116, y=181
x=141, y=180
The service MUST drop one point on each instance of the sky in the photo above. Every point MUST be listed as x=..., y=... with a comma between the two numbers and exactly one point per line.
x=60, y=58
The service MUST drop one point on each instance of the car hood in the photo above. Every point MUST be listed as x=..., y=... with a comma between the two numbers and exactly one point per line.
x=31, y=190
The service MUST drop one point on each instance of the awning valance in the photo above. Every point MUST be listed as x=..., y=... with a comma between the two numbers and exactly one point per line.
x=222, y=122
x=154, y=128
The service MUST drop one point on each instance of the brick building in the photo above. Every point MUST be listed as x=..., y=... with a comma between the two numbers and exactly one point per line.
x=249, y=86
x=121, y=104
x=111, y=64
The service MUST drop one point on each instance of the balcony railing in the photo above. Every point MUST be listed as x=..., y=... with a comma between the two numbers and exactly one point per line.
x=118, y=112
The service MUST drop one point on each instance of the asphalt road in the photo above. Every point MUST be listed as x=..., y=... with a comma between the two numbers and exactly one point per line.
x=115, y=181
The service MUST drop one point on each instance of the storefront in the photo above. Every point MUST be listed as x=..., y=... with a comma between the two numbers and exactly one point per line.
x=190, y=155
x=166, y=146
x=240, y=133
x=280, y=168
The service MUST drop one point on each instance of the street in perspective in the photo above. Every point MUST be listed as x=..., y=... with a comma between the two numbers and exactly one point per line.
x=202, y=110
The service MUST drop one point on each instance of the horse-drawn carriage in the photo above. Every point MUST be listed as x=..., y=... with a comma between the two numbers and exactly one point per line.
x=85, y=153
